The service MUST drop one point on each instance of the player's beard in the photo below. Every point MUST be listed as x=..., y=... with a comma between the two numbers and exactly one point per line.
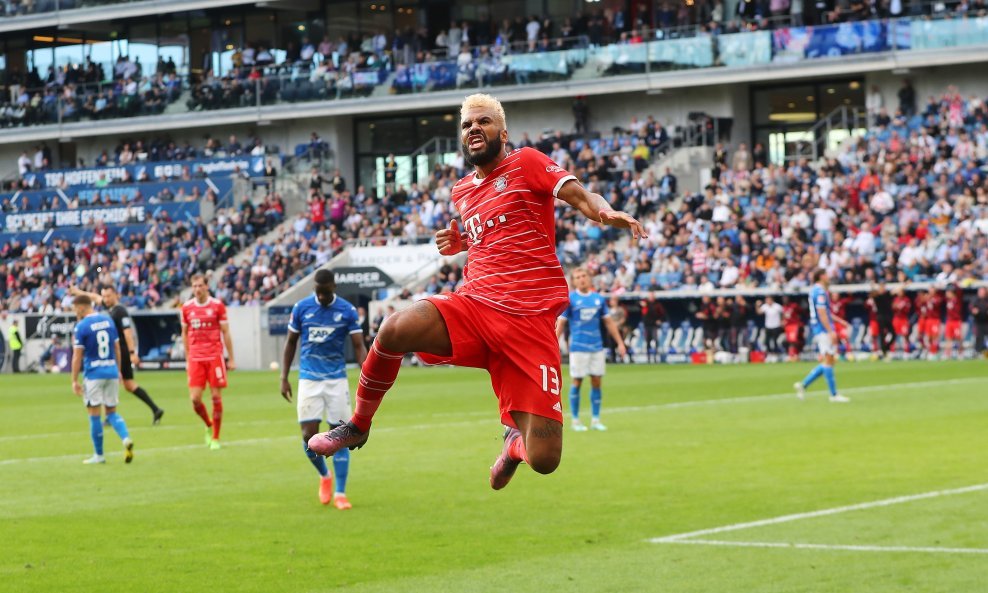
x=490, y=152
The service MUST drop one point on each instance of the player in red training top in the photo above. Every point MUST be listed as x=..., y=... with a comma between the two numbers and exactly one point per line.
x=873, y=330
x=792, y=321
x=838, y=308
x=955, y=312
x=203, y=324
x=931, y=311
x=503, y=317
x=902, y=307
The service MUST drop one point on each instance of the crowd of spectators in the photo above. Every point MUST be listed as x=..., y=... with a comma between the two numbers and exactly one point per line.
x=130, y=151
x=151, y=263
x=463, y=54
x=907, y=201
x=71, y=92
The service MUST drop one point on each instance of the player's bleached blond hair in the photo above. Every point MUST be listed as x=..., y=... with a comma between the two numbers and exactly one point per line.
x=485, y=101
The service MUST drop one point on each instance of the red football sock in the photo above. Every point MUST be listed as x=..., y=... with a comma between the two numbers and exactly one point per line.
x=517, y=450
x=217, y=416
x=200, y=409
x=376, y=377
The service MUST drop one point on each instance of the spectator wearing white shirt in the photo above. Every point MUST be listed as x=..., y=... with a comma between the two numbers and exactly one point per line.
x=773, y=323
x=24, y=164
x=729, y=275
x=864, y=242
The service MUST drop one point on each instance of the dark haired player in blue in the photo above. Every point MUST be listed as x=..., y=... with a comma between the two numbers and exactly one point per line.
x=823, y=327
x=96, y=353
x=322, y=322
x=587, y=309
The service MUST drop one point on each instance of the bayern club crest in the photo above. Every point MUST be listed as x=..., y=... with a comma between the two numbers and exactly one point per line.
x=500, y=183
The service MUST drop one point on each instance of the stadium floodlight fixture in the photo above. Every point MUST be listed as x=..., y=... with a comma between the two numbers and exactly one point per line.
x=655, y=92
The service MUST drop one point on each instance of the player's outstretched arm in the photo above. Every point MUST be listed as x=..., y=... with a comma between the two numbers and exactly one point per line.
x=451, y=241
x=287, y=357
x=596, y=208
x=94, y=296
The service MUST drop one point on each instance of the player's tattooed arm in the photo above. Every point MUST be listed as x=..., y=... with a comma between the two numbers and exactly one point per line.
x=596, y=208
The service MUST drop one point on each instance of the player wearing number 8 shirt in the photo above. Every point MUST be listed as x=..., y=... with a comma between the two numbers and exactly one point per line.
x=203, y=324
x=503, y=316
x=96, y=352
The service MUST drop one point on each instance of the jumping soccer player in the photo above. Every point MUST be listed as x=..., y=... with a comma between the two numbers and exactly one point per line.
x=503, y=316
x=95, y=352
x=587, y=309
x=322, y=322
x=823, y=325
x=203, y=324
x=129, y=358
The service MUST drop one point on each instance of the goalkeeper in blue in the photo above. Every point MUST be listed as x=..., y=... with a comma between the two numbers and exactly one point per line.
x=322, y=322
x=96, y=355
x=823, y=328
x=586, y=312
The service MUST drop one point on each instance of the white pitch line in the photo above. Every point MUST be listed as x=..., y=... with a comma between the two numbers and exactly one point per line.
x=680, y=537
x=848, y=548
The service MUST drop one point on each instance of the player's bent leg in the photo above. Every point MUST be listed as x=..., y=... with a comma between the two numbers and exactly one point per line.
x=543, y=441
x=420, y=328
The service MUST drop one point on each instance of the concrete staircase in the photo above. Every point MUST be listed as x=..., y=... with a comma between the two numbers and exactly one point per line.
x=690, y=164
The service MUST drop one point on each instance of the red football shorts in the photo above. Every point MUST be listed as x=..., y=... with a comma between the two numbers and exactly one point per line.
x=932, y=328
x=520, y=352
x=901, y=326
x=953, y=329
x=841, y=331
x=873, y=328
x=207, y=371
x=792, y=333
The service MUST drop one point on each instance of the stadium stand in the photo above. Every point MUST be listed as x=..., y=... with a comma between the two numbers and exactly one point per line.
x=601, y=43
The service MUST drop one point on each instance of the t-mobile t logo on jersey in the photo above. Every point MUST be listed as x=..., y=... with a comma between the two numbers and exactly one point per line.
x=475, y=227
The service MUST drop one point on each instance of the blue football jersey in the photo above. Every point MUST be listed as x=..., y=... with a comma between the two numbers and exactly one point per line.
x=584, y=315
x=97, y=336
x=819, y=298
x=324, y=332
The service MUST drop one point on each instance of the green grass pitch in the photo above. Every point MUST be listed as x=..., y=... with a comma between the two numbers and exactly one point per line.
x=689, y=449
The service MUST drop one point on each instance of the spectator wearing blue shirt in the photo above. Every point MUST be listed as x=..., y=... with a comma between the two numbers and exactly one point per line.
x=587, y=310
x=321, y=323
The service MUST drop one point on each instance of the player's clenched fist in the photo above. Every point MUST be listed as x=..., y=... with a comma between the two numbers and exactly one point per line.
x=450, y=241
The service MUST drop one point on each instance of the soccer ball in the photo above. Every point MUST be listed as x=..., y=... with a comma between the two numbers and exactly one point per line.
x=274, y=365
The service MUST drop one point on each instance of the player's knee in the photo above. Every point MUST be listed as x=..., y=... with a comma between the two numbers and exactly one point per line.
x=545, y=462
x=393, y=335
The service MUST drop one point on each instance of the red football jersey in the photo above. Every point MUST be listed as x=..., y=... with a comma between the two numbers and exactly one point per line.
x=838, y=307
x=203, y=323
x=902, y=307
x=933, y=307
x=792, y=314
x=511, y=235
x=955, y=306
